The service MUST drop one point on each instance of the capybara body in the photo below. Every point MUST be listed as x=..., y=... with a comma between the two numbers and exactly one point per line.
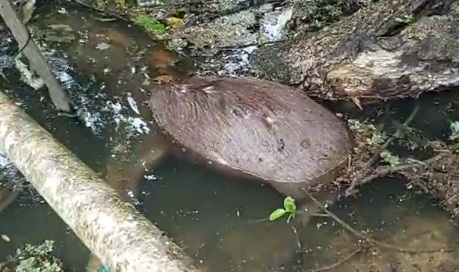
x=256, y=128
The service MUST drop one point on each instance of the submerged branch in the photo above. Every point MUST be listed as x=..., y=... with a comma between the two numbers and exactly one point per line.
x=37, y=62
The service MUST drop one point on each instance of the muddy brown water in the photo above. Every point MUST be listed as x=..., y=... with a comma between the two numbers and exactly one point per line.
x=211, y=215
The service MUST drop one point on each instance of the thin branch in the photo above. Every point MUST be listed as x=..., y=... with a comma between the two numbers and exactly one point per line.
x=397, y=169
x=339, y=262
x=369, y=164
x=365, y=237
x=394, y=136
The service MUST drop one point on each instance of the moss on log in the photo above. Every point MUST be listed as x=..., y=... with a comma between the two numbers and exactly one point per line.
x=390, y=49
x=119, y=235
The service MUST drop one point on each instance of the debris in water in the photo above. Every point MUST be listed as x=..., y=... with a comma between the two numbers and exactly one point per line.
x=102, y=46
x=138, y=125
x=132, y=103
x=150, y=177
x=135, y=124
x=6, y=238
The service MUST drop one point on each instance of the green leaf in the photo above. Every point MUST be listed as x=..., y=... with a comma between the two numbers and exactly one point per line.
x=289, y=204
x=277, y=214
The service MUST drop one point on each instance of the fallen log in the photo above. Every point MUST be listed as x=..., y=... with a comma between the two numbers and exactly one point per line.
x=373, y=54
x=113, y=230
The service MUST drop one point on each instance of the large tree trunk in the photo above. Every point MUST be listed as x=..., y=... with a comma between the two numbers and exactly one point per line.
x=370, y=55
x=112, y=229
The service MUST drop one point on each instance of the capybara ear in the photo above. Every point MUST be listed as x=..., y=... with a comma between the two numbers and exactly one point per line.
x=166, y=66
x=161, y=58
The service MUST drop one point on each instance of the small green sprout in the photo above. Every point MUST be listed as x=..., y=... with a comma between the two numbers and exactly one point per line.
x=356, y=125
x=376, y=139
x=289, y=208
x=372, y=137
x=390, y=159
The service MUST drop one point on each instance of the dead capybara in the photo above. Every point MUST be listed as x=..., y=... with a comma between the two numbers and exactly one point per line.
x=255, y=127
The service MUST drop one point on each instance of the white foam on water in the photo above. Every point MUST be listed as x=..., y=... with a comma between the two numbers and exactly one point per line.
x=134, y=124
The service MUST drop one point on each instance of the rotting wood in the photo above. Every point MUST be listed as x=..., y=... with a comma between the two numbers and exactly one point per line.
x=118, y=234
x=37, y=62
x=371, y=55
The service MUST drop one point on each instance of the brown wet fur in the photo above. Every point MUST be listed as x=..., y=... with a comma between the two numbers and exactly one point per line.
x=256, y=128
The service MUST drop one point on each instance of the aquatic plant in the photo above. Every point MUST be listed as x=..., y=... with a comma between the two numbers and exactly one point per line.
x=288, y=209
x=372, y=137
x=391, y=159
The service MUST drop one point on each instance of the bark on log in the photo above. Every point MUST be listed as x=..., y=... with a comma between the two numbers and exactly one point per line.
x=37, y=62
x=372, y=56
x=120, y=236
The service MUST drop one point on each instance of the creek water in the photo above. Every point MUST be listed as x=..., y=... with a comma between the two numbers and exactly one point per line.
x=214, y=217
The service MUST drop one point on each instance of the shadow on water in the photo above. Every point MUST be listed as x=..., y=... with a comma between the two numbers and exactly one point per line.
x=214, y=217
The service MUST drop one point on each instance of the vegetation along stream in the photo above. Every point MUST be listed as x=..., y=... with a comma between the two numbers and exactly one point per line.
x=220, y=220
